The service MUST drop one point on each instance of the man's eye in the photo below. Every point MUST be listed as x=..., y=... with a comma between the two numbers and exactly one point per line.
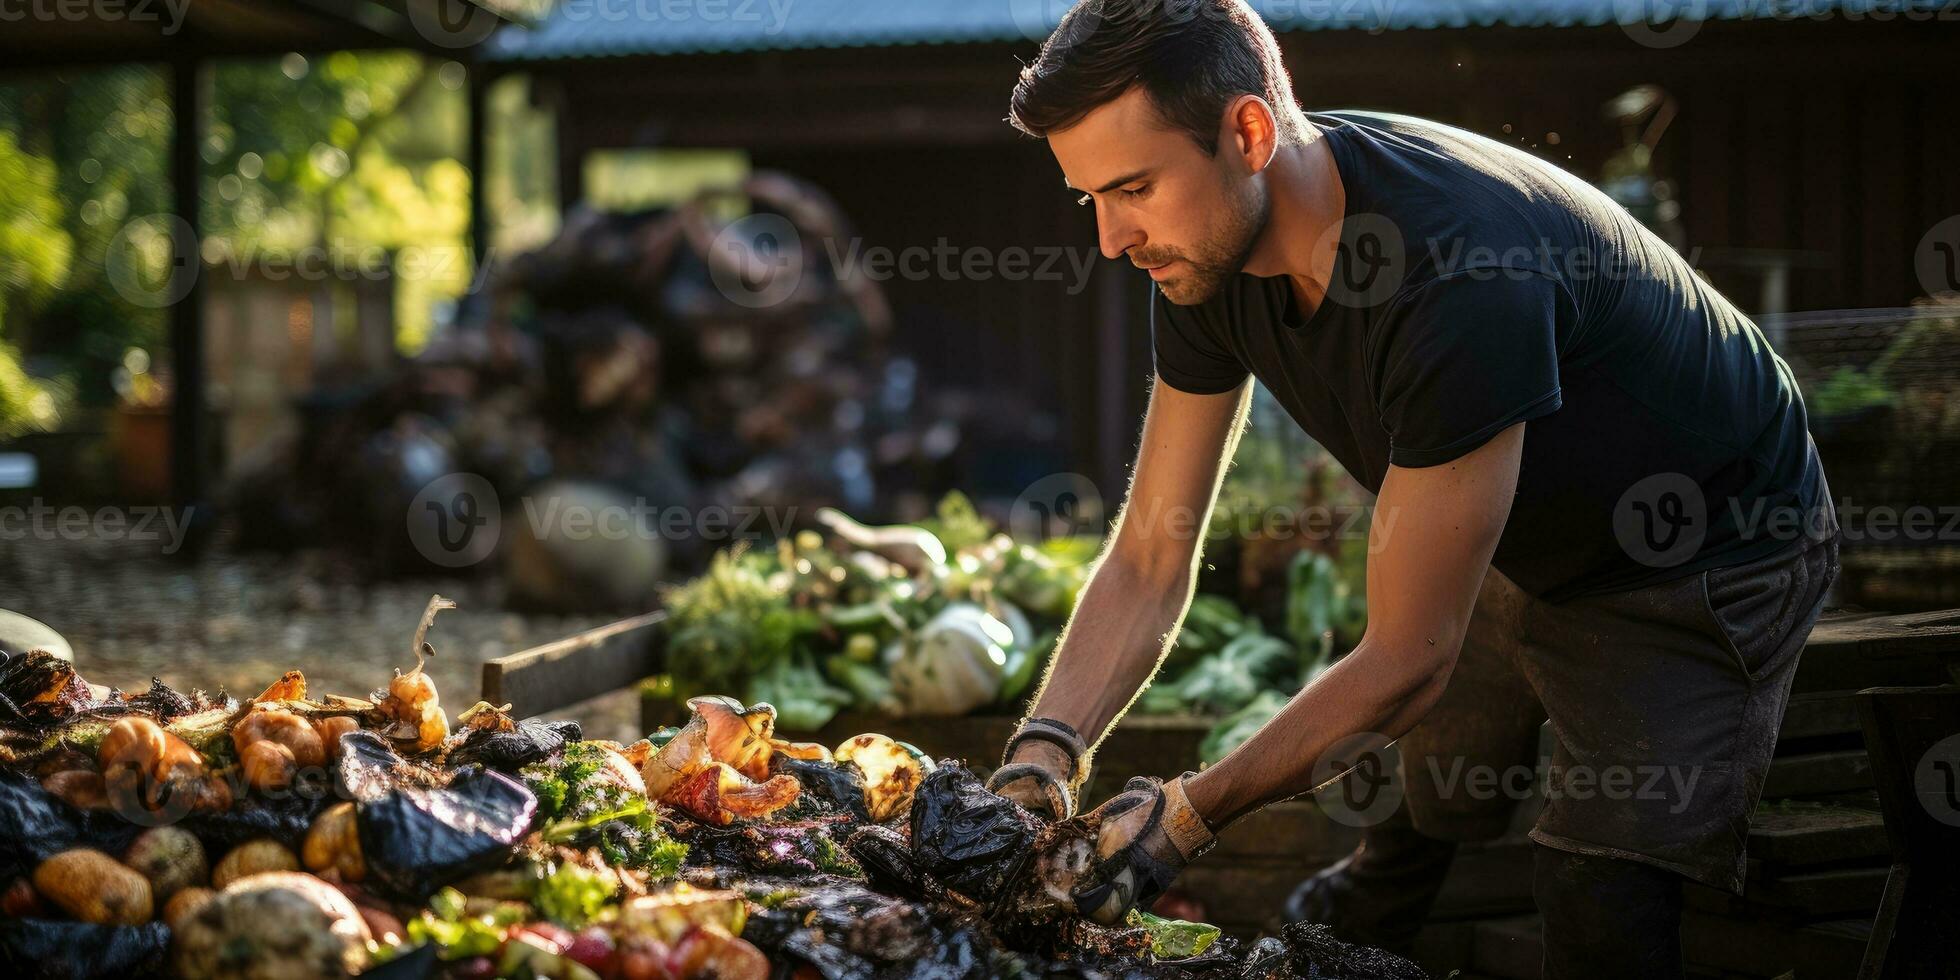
x=1141, y=190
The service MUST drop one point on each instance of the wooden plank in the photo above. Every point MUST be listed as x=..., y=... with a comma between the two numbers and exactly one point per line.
x=1761, y=948
x=586, y=665
x=1935, y=633
x=1818, y=774
x=1820, y=714
x=1794, y=836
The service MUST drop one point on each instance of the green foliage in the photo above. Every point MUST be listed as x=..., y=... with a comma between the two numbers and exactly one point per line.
x=958, y=524
x=580, y=805
x=571, y=895
x=1228, y=680
x=729, y=625
x=458, y=935
x=1847, y=390
x=1174, y=939
x=1233, y=729
x=804, y=702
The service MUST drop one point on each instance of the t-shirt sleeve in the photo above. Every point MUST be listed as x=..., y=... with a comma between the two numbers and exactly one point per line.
x=1463, y=357
x=1189, y=357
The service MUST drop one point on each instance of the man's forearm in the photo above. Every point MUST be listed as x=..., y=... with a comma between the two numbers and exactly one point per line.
x=1385, y=691
x=1120, y=631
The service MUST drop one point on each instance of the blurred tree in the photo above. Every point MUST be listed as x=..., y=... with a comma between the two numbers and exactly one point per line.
x=34, y=256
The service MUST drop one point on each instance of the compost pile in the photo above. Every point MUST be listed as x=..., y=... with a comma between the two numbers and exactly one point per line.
x=293, y=835
x=634, y=359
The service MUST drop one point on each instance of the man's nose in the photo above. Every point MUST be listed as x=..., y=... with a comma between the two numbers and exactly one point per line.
x=1116, y=234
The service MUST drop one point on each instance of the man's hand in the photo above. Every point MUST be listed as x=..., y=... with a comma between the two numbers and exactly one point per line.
x=1042, y=768
x=1144, y=838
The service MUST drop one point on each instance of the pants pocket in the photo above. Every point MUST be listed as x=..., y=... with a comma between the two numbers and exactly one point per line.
x=1757, y=607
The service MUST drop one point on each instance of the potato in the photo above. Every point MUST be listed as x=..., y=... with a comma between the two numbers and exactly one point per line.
x=82, y=789
x=92, y=887
x=250, y=858
x=185, y=904
x=277, y=924
x=171, y=858
x=333, y=843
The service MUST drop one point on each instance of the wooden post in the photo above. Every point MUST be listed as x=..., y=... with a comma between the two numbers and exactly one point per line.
x=187, y=406
x=478, y=162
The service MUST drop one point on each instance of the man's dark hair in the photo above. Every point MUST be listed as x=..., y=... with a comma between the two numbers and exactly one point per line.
x=1191, y=57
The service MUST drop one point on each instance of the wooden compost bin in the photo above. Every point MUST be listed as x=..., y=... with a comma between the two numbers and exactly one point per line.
x=1821, y=850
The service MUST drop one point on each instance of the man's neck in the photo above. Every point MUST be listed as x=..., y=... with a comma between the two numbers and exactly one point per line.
x=1303, y=184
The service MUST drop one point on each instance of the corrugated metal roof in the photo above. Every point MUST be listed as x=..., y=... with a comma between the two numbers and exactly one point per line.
x=600, y=28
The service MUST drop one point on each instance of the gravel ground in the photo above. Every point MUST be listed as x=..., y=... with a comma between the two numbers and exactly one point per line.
x=237, y=621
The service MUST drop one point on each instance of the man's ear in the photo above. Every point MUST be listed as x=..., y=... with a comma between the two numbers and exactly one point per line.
x=1251, y=132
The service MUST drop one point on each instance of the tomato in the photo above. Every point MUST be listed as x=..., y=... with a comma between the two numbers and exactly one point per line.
x=593, y=948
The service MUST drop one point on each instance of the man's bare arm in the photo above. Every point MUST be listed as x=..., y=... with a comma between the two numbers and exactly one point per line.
x=1434, y=531
x=1132, y=604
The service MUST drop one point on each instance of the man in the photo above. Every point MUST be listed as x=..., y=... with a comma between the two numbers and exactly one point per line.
x=1596, y=497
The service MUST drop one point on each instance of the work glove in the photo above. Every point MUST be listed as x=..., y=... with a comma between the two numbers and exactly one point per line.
x=1043, y=768
x=1144, y=838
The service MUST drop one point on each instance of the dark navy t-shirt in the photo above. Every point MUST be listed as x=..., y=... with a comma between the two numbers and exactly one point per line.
x=1478, y=286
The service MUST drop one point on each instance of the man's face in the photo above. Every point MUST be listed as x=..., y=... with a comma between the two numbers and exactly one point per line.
x=1188, y=217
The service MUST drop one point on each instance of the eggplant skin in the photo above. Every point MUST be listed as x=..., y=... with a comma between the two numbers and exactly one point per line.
x=59, y=949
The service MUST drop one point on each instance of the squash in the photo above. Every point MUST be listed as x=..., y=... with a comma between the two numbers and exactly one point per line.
x=171, y=858
x=250, y=858
x=282, y=924
x=93, y=887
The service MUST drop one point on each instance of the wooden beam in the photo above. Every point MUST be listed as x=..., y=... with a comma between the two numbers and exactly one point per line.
x=598, y=661
x=187, y=405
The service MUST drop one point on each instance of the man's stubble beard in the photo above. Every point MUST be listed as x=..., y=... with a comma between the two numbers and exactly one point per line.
x=1214, y=262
